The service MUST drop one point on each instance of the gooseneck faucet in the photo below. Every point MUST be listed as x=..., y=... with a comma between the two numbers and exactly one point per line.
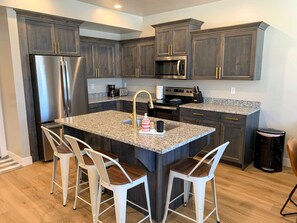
x=134, y=115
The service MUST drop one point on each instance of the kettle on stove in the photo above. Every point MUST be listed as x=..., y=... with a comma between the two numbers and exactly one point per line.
x=197, y=95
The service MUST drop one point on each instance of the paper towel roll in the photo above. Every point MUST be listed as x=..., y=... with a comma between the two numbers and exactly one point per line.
x=159, y=92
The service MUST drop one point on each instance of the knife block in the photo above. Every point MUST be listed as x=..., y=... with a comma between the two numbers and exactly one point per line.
x=198, y=97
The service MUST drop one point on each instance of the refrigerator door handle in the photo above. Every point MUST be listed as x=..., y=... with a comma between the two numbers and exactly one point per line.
x=68, y=88
x=63, y=85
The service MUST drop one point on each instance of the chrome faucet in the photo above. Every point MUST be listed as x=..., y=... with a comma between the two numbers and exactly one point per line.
x=134, y=115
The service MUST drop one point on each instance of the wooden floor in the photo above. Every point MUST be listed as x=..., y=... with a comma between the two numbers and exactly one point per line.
x=249, y=196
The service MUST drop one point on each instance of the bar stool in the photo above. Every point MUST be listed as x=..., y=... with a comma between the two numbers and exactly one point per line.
x=199, y=173
x=86, y=163
x=63, y=152
x=119, y=178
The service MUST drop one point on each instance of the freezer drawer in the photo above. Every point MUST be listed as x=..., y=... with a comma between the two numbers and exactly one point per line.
x=47, y=150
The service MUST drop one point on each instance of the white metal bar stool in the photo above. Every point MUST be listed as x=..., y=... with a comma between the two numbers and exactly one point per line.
x=86, y=163
x=119, y=178
x=63, y=152
x=199, y=173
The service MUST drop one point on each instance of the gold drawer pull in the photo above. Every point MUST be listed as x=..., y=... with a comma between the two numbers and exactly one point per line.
x=232, y=119
x=198, y=114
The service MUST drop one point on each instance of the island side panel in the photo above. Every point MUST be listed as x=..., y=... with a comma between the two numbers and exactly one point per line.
x=156, y=164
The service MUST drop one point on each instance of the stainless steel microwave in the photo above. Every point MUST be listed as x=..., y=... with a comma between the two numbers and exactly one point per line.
x=172, y=67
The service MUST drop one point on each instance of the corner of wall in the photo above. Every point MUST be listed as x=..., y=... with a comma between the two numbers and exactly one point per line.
x=24, y=161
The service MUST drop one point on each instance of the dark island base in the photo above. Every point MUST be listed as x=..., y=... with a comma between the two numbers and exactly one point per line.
x=156, y=164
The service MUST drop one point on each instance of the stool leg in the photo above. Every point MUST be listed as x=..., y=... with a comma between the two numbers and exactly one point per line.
x=99, y=195
x=187, y=187
x=215, y=201
x=169, y=189
x=93, y=184
x=120, y=200
x=64, y=164
x=54, y=173
x=147, y=198
x=199, y=193
x=77, y=186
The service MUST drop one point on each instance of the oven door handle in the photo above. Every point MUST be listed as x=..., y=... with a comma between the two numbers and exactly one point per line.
x=165, y=107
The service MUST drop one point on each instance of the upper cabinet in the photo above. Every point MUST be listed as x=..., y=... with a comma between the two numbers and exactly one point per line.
x=228, y=53
x=52, y=37
x=101, y=57
x=138, y=57
x=173, y=38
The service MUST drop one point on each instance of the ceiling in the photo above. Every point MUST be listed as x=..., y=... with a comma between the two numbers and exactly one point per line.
x=147, y=7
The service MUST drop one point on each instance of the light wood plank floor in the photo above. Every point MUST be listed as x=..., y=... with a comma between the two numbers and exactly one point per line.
x=249, y=196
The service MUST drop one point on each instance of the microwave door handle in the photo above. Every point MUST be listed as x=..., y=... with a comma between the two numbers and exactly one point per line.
x=178, y=67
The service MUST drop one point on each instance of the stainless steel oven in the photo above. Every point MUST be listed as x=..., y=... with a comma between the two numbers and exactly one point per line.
x=168, y=108
x=172, y=67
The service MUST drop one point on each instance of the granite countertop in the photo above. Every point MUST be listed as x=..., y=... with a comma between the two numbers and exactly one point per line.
x=109, y=124
x=240, y=110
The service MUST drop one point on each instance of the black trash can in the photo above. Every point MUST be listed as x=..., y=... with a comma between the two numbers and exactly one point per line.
x=269, y=150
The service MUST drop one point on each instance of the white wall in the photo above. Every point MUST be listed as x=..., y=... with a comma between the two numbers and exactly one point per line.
x=12, y=90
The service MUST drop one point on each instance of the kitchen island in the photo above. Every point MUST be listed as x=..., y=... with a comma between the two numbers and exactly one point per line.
x=112, y=131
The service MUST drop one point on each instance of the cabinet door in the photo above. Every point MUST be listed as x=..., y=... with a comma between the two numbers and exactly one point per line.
x=40, y=37
x=233, y=127
x=146, y=52
x=205, y=56
x=129, y=60
x=86, y=51
x=104, y=60
x=214, y=137
x=67, y=39
x=163, y=41
x=238, y=55
x=180, y=41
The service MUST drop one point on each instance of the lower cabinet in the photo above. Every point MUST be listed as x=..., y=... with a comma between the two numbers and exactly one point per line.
x=239, y=130
x=141, y=107
x=103, y=106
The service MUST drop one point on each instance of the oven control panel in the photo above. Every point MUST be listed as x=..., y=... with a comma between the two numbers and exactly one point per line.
x=178, y=91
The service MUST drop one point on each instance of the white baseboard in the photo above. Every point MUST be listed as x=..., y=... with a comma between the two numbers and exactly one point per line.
x=24, y=161
x=286, y=162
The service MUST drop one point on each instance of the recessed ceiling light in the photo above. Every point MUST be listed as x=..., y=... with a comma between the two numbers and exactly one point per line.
x=117, y=6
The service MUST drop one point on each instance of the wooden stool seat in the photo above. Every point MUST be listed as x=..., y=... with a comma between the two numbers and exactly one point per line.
x=63, y=149
x=117, y=177
x=184, y=166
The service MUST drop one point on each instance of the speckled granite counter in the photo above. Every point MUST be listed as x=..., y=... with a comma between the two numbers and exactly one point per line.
x=240, y=110
x=109, y=124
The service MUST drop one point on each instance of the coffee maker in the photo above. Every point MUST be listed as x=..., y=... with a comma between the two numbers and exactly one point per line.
x=111, y=91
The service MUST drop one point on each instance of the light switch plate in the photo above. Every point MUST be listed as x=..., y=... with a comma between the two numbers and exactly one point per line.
x=233, y=89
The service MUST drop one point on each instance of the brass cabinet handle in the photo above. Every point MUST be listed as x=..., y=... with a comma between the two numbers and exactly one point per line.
x=232, y=119
x=55, y=47
x=220, y=72
x=58, y=47
x=98, y=72
x=217, y=72
x=198, y=114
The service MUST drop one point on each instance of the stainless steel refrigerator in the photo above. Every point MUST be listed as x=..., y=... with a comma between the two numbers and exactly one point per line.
x=59, y=90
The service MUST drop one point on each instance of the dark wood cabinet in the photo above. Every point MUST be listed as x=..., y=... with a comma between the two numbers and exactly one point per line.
x=239, y=130
x=103, y=106
x=101, y=57
x=228, y=53
x=173, y=38
x=50, y=37
x=138, y=57
x=141, y=108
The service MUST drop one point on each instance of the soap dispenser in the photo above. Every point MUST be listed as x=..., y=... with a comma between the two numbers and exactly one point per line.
x=145, y=123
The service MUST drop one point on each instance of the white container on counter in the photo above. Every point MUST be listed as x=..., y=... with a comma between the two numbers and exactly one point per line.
x=159, y=92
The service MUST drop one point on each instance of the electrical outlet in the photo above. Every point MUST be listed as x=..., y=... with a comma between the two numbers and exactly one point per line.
x=233, y=89
x=92, y=86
